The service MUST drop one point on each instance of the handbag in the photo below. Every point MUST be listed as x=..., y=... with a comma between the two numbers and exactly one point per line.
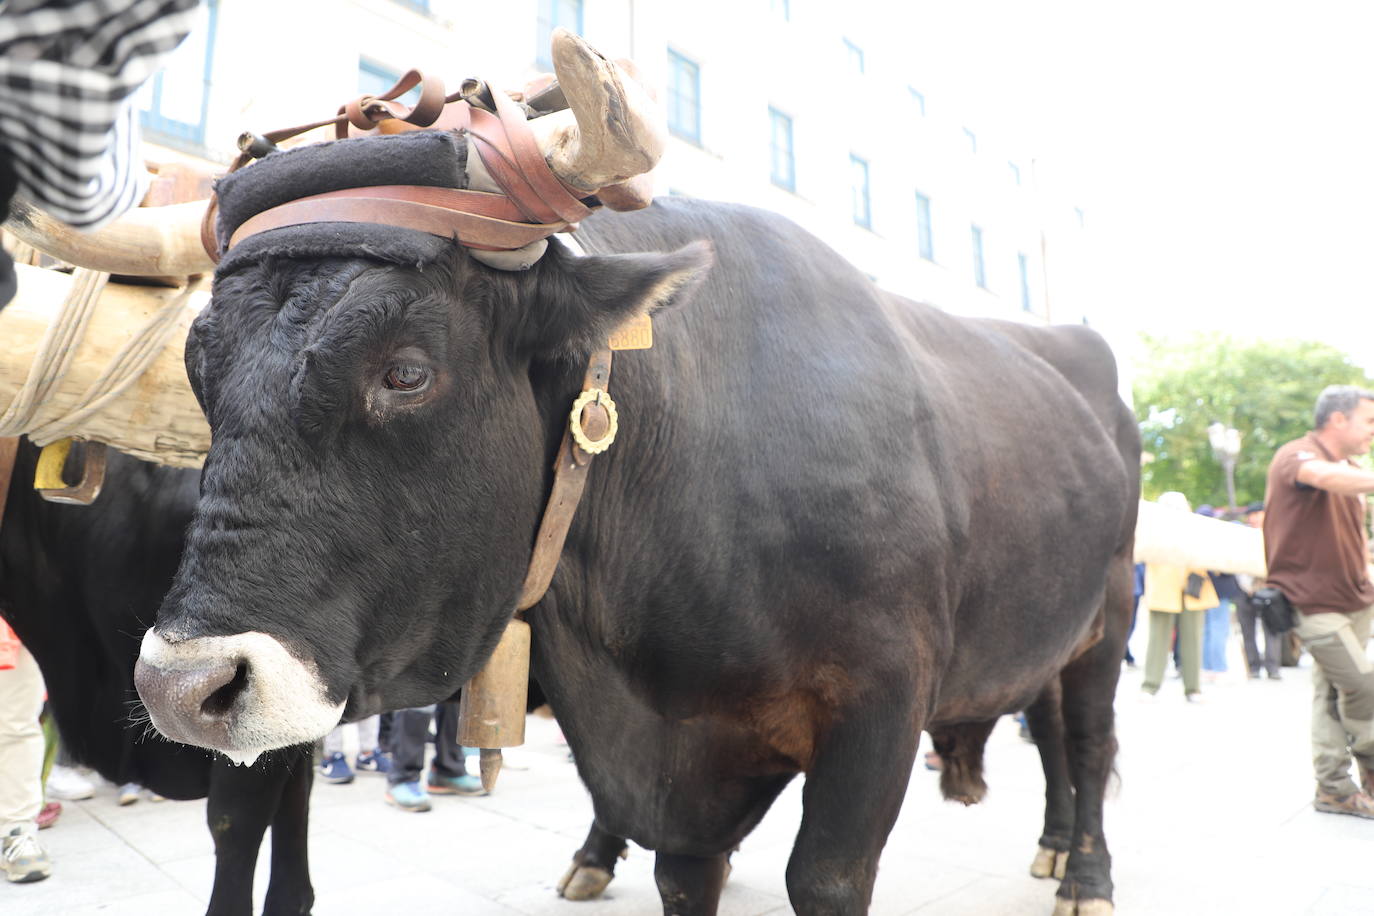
x=1275, y=609
x=1194, y=587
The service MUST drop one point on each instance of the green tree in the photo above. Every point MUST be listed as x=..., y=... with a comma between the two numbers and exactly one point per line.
x=1263, y=388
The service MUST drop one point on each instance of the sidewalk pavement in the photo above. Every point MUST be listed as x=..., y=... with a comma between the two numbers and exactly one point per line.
x=1212, y=815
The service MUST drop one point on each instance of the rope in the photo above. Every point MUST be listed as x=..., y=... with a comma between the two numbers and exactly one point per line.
x=55, y=354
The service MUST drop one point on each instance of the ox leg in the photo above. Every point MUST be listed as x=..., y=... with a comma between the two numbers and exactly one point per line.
x=1046, y=722
x=240, y=805
x=1089, y=690
x=289, y=892
x=690, y=885
x=593, y=866
x=853, y=793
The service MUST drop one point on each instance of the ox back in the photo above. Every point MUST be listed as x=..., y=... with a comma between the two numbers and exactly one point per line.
x=80, y=585
x=832, y=518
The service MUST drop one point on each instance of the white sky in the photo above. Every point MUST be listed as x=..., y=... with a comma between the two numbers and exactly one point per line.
x=1224, y=150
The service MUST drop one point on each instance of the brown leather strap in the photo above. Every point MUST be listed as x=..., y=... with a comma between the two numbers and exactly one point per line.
x=569, y=479
x=471, y=229
x=9, y=449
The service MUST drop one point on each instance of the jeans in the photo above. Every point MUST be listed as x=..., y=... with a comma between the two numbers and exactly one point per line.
x=1216, y=630
x=409, y=735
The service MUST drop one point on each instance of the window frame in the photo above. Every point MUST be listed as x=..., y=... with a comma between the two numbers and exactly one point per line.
x=980, y=270
x=854, y=198
x=675, y=99
x=789, y=181
x=1023, y=268
x=925, y=231
x=160, y=126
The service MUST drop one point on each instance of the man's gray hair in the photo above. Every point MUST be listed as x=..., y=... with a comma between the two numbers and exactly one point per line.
x=1339, y=398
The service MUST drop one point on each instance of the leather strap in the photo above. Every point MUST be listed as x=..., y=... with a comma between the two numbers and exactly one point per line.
x=9, y=449
x=434, y=212
x=569, y=479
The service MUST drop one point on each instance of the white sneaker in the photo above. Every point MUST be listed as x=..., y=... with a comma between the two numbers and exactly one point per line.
x=24, y=858
x=68, y=784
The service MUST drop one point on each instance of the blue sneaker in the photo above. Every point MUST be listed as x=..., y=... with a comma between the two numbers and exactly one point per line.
x=334, y=768
x=374, y=761
x=467, y=784
x=408, y=796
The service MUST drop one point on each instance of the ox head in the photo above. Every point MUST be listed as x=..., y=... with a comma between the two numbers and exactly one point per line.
x=384, y=409
x=381, y=440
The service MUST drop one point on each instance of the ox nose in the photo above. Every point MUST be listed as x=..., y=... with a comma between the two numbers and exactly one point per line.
x=193, y=705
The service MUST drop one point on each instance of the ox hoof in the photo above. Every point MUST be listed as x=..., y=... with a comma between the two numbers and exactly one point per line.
x=1093, y=907
x=583, y=882
x=1049, y=863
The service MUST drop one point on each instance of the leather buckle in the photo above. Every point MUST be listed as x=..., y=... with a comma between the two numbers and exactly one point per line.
x=594, y=432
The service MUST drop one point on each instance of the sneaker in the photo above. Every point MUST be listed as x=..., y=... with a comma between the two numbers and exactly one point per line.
x=24, y=858
x=408, y=796
x=128, y=793
x=933, y=761
x=1195, y=697
x=69, y=785
x=374, y=761
x=467, y=784
x=335, y=769
x=48, y=815
x=1357, y=803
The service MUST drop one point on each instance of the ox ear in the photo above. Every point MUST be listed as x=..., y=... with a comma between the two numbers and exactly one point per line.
x=583, y=299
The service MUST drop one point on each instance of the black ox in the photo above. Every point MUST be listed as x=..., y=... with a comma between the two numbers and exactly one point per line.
x=833, y=518
x=80, y=585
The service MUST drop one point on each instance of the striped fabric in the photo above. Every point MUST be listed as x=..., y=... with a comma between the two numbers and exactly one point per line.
x=67, y=123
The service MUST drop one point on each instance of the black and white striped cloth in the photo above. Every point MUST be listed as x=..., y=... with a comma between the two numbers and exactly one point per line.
x=68, y=71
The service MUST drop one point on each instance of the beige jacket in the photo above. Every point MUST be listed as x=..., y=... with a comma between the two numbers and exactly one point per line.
x=1164, y=584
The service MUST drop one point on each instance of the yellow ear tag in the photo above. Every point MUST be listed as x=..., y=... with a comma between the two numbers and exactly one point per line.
x=635, y=334
x=48, y=475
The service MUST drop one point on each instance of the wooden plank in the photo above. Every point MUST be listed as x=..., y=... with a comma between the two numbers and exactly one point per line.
x=157, y=417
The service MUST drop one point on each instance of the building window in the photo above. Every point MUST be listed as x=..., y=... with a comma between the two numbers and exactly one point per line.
x=918, y=101
x=1023, y=269
x=782, y=9
x=552, y=14
x=924, y=239
x=972, y=140
x=855, y=55
x=375, y=79
x=784, y=173
x=419, y=6
x=684, y=97
x=858, y=171
x=1078, y=214
x=174, y=102
x=980, y=276
x=1015, y=173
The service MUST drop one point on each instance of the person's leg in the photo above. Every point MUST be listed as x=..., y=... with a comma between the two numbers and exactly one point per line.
x=1342, y=697
x=1157, y=650
x=1273, y=651
x=1190, y=650
x=1245, y=613
x=22, y=857
x=367, y=734
x=409, y=734
x=1130, y=659
x=1218, y=632
x=448, y=754
x=333, y=742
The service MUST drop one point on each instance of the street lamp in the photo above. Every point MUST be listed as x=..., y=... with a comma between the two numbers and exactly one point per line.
x=1225, y=448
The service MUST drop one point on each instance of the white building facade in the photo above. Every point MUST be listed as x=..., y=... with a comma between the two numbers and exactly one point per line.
x=812, y=109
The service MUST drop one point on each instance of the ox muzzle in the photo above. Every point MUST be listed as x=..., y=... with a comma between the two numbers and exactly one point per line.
x=240, y=695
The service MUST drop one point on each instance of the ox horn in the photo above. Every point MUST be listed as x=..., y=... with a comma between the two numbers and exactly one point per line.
x=613, y=131
x=145, y=242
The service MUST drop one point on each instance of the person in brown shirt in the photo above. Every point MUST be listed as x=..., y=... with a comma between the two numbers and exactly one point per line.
x=1316, y=548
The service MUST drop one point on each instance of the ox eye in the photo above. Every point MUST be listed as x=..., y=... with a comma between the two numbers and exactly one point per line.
x=406, y=378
